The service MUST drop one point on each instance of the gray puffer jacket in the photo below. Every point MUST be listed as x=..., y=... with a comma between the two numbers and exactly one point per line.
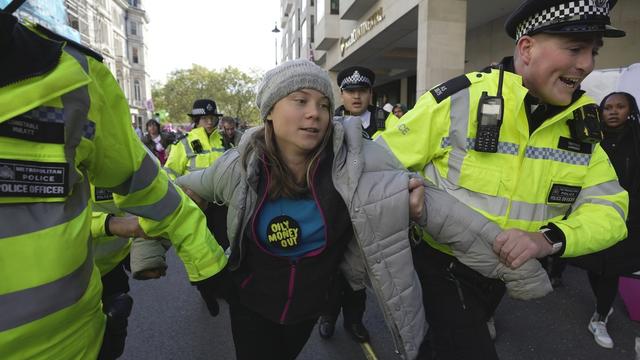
x=374, y=186
x=470, y=236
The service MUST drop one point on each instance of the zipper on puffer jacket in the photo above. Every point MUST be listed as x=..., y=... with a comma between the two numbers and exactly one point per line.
x=291, y=288
x=386, y=313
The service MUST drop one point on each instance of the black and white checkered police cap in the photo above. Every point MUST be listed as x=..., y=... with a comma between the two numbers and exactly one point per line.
x=562, y=16
x=356, y=77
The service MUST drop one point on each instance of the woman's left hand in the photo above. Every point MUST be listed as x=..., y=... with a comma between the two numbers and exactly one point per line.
x=416, y=198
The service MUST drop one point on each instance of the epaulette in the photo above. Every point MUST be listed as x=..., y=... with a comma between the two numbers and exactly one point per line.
x=83, y=49
x=177, y=140
x=450, y=87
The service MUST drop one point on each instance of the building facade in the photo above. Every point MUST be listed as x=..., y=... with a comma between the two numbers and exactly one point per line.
x=413, y=45
x=116, y=29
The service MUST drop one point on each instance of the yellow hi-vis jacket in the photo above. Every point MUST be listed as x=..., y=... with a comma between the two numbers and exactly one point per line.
x=184, y=159
x=108, y=251
x=531, y=181
x=59, y=130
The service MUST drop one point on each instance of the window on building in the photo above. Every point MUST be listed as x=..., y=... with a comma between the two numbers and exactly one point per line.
x=303, y=30
x=297, y=45
x=311, y=2
x=312, y=26
x=136, y=90
x=133, y=26
x=294, y=22
x=134, y=55
x=299, y=20
x=320, y=10
x=73, y=21
x=304, y=6
x=117, y=45
x=335, y=7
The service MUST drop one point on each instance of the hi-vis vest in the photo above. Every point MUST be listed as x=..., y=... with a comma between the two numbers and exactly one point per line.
x=194, y=152
x=60, y=129
x=109, y=251
x=531, y=181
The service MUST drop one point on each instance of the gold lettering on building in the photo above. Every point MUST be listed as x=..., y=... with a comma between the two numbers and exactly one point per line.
x=361, y=30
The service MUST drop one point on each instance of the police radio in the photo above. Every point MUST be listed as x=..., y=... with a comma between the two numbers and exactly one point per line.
x=489, y=118
x=196, y=145
x=585, y=125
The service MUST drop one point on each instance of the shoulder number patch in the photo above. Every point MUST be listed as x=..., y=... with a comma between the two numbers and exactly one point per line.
x=450, y=87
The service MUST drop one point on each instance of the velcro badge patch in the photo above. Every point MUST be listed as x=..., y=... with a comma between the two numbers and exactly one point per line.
x=445, y=90
x=44, y=124
x=283, y=232
x=102, y=194
x=33, y=179
x=575, y=146
x=563, y=194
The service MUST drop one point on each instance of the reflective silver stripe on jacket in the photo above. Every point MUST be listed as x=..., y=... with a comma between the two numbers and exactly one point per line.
x=191, y=156
x=140, y=179
x=458, y=129
x=170, y=171
x=587, y=196
x=32, y=217
x=600, y=201
x=76, y=105
x=521, y=210
x=161, y=208
x=607, y=188
x=28, y=305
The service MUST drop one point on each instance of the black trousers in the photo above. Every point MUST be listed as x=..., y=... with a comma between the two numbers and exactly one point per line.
x=352, y=302
x=458, y=302
x=605, y=288
x=257, y=338
x=114, y=284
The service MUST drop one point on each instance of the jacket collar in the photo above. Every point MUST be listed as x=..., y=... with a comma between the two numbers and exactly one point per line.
x=25, y=54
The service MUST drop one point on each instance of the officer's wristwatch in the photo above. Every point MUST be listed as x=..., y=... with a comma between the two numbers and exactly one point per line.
x=555, y=245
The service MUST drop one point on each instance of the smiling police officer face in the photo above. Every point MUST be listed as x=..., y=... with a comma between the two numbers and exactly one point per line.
x=553, y=66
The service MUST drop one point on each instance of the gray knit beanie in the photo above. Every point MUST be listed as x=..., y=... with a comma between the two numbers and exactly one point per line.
x=288, y=77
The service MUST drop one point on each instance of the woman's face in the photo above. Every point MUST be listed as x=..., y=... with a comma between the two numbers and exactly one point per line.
x=300, y=121
x=152, y=129
x=208, y=122
x=616, y=110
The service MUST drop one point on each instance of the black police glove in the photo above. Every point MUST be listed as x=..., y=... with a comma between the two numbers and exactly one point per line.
x=212, y=288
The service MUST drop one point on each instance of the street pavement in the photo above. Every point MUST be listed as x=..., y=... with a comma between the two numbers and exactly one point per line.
x=170, y=321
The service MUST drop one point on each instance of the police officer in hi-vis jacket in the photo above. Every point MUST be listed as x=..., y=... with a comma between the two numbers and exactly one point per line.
x=517, y=142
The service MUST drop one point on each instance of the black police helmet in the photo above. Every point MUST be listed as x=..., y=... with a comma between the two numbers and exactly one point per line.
x=203, y=107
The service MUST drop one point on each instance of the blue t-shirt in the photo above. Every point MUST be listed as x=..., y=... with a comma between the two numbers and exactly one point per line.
x=290, y=227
